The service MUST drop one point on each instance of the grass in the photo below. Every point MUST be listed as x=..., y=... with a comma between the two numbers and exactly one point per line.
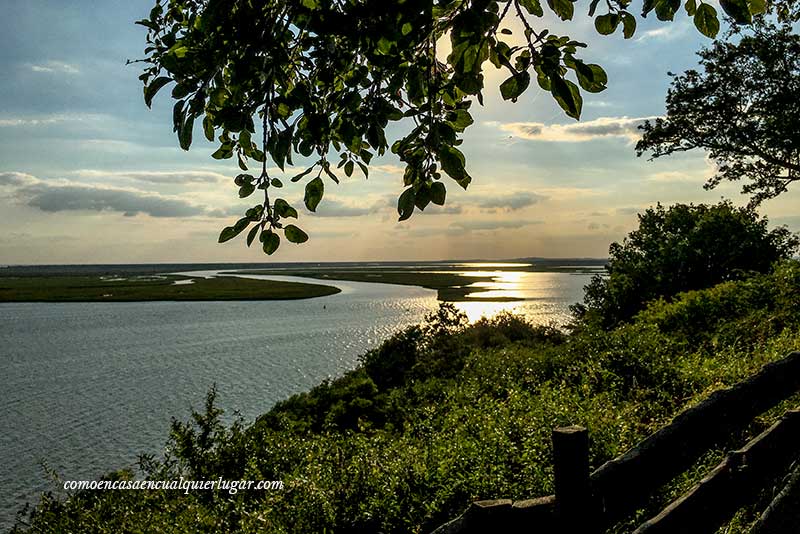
x=149, y=288
x=450, y=287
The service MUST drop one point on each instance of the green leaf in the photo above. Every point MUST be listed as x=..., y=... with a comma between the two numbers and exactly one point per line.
x=223, y=152
x=666, y=9
x=628, y=25
x=364, y=169
x=252, y=235
x=208, y=128
x=705, y=20
x=452, y=162
x=330, y=174
x=438, y=193
x=533, y=7
x=230, y=232
x=568, y=96
x=515, y=86
x=758, y=7
x=185, y=133
x=154, y=86
x=591, y=77
x=405, y=204
x=461, y=120
x=314, y=191
x=348, y=168
x=606, y=24
x=691, y=7
x=284, y=209
x=422, y=197
x=246, y=190
x=295, y=234
x=563, y=8
x=271, y=241
x=276, y=183
x=738, y=10
x=299, y=177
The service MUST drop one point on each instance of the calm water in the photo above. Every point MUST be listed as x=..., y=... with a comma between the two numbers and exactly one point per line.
x=89, y=386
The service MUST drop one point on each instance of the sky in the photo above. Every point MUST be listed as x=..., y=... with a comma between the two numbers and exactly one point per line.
x=88, y=174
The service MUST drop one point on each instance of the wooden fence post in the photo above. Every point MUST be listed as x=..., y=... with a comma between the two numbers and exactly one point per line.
x=571, y=467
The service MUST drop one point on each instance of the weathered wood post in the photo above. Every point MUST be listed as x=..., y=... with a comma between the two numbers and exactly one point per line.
x=571, y=468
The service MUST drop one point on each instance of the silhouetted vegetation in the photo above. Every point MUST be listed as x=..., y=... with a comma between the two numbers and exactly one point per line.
x=678, y=249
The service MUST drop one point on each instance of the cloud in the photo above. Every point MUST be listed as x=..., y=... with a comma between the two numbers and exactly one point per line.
x=511, y=202
x=46, y=120
x=388, y=169
x=16, y=179
x=331, y=207
x=670, y=32
x=479, y=225
x=332, y=234
x=631, y=210
x=449, y=209
x=63, y=195
x=672, y=176
x=157, y=177
x=788, y=220
x=55, y=198
x=624, y=127
x=55, y=67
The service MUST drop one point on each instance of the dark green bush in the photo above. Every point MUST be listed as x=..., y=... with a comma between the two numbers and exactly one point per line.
x=682, y=248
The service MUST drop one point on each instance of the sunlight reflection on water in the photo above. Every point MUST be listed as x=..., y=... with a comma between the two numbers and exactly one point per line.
x=543, y=297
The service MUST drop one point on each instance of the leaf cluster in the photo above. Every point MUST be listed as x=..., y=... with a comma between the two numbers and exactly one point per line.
x=282, y=80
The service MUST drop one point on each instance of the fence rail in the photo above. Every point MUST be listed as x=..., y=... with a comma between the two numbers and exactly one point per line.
x=588, y=503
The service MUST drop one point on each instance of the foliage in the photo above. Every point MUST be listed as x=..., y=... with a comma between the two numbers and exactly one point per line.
x=679, y=249
x=742, y=108
x=413, y=453
x=322, y=79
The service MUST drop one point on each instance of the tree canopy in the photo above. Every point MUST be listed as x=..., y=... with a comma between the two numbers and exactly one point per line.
x=682, y=248
x=271, y=80
x=743, y=108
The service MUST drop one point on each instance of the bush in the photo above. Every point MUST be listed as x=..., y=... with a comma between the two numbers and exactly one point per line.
x=682, y=248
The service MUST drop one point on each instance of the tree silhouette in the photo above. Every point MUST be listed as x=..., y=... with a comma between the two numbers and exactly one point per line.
x=743, y=108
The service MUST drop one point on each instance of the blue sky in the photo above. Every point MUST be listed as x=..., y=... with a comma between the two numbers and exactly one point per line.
x=88, y=174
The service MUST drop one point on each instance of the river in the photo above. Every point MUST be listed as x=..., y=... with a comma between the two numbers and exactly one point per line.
x=89, y=386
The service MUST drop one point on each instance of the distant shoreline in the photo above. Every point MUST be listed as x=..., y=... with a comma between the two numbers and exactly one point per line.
x=128, y=287
x=461, y=281
x=532, y=264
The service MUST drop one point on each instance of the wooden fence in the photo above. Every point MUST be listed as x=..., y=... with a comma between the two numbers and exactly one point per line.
x=588, y=503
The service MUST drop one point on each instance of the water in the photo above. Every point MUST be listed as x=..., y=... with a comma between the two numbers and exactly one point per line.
x=89, y=386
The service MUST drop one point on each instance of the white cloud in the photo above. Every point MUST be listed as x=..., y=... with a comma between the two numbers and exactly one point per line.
x=603, y=127
x=673, y=176
x=512, y=201
x=44, y=120
x=156, y=177
x=55, y=67
x=473, y=225
x=670, y=32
